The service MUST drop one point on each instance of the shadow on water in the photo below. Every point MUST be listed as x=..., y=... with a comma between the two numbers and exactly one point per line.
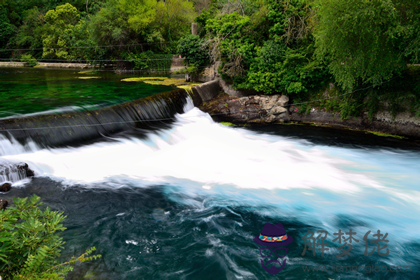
x=327, y=136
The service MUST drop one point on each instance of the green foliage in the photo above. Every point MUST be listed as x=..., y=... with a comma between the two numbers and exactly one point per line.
x=6, y=28
x=29, y=34
x=409, y=37
x=271, y=50
x=109, y=26
x=149, y=61
x=174, y=17
x=29, y=244
x=139, y=13
x=195, y=52
x=62, y=32
x=137, y=21
x=30, y=59
x=191, y=70
x=360, y=39
x=233, y=42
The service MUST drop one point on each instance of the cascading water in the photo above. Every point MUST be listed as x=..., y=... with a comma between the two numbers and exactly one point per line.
x=11, y=172
x=72, y=128
x=187, y=201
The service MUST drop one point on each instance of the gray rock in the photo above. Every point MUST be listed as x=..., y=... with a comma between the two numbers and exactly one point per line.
x=268, y=102
x=277, y=110
x=283, y=100
x=270, y=118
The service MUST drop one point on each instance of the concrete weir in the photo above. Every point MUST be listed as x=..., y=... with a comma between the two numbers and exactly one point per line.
x=205, y=92
x=75, y=127
x=71, y=128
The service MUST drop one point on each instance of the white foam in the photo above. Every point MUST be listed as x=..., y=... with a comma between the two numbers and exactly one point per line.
x=240, y=166
x=200, y=150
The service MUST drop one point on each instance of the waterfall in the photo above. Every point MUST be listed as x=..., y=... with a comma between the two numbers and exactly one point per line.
x=13, y=172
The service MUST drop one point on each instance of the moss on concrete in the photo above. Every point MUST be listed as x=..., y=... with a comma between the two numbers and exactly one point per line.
x=179, y=83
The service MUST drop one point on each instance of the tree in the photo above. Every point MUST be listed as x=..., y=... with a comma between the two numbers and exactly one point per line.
x=360, y=40
x=30, y=33
x=174, y=18
x=64, y=32
x=121, y=23
x=29, y=244
x=139, y=13
x=195, y=52
x=6, y=28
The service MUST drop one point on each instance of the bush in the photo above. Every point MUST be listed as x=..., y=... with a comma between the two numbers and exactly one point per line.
x=149, y=61
x=192, y=48
x=29, y=244
x=29, y=58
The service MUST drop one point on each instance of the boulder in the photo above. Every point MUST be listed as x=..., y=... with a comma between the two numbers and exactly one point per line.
x=25, y=168
x=5, y=187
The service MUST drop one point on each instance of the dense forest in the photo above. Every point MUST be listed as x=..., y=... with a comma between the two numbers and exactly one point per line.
x=287, y=46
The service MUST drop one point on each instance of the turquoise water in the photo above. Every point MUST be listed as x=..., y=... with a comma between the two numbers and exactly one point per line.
x=186, y=202
x=26, y=90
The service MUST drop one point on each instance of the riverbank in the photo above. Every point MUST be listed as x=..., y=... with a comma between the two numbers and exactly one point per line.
x=262, y=109
x=176, y=65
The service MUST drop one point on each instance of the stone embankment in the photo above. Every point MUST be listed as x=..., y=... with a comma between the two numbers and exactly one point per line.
x=264, y=109
x=249, y=109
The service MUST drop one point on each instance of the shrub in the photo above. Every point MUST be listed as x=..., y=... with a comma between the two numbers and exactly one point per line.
x=29, y=58
x=149, y=61
x=193, y=49
x=29, y=244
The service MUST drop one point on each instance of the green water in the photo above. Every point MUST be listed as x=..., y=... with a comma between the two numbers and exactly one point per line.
x=28, y=90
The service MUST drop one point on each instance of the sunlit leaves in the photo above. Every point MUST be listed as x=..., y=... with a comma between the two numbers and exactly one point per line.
x=29, y=243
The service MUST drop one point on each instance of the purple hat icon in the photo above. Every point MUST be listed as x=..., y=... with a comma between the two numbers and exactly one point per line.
x=273, y=236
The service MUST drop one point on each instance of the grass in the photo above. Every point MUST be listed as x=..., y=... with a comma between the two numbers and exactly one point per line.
x=88, y=72
x=228, y=123
x=88, y=78
x=179, y=83
x=385, y=134
x=289, y=123
x=143, y=79
x=232, y=124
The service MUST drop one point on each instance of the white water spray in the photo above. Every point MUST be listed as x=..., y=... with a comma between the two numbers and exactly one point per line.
x=202, y=157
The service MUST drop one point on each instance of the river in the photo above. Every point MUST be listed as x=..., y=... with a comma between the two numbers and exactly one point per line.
x=186, y=201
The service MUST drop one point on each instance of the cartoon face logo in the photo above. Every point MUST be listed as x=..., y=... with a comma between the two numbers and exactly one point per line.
x=272, y=242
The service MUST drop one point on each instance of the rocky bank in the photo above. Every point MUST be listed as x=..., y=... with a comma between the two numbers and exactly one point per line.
x=263, y=109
